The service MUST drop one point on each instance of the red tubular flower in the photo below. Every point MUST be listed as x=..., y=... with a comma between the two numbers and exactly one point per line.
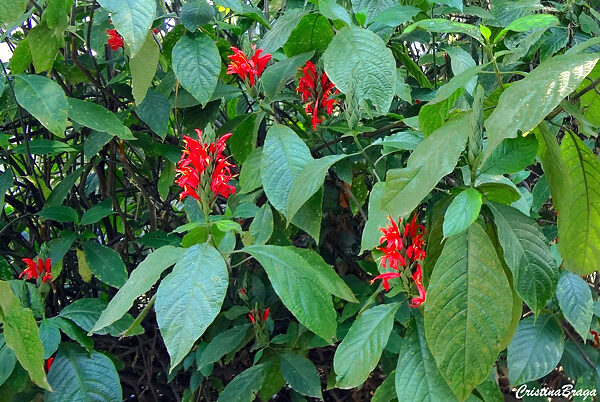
x=33, y=270
x=247, y=68
x=266, y=314
x=251, y=316
x=115, y=41
x=48, y=364
x=203, y=168
x=385, y=278
x=315, y=92
x=596, y=338
x=417, y=277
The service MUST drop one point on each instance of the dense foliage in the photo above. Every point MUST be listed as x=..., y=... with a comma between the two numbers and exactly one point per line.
x=361, y=200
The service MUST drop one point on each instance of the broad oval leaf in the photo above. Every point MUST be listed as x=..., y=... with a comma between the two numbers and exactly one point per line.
x=313, y=33
x=143, y=68
x=44, y=99
x=330, y=9
x=77, y=375
x=243, y=387
x=85, y=312
x=133, y=19
x=278, y=35
x=575, y=300
x=371, y=8
x=535, y=350
x=220, y=345
x=462, y=212
x=261, y=227
x=98, y=118
x=525, y=103
x=141, y=280
x=511, y=156
x=301, y=374
x=105, y=263
x=527, y=254
x=468, y=309
x=97, y=212
x=196, y=13
x=189, y=299
x=442, y=25
x=529, y=22
x=360, y=56
x=197, y=64
x=417, y=376
x=361, y=349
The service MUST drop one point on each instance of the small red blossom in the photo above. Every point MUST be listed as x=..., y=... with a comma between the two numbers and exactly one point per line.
x=243, y=291
x=203, y=168
x=254, y=315
x=156, y=31
x=48, y=364
x=251, y=316
x=417, y=277
x=385, y=278
x=33, y=270
x=315, y=92
x=266, y=314
x=248, y=68
x=596, y=338
x=115, y=41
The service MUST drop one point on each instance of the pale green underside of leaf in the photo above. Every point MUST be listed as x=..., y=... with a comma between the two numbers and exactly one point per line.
x=97, y=118
x=575, y=300
x=143, y=68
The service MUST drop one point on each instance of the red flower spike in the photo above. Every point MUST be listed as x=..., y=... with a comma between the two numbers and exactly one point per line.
x=48, y=364
x=251, y=316
x=266, y=314
x=33, y=270
x=315, y=92
x=247, y=68
x=385, y=277
x=115, y=41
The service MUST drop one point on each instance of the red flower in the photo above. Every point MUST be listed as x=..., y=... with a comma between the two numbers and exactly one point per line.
x=156, y=31
x=199, y=162
x=392, y=256
x=115, y=41
x=417, y=277
x=41, y=269
x=315, y=92
x=251, y=316
x=48, y=364
x=266, y=314
x=242, y=291
x=385, y=277
x=247, y=68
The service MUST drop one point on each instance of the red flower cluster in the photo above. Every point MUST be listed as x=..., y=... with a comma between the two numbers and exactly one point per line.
x=405, y=250
x=204, y=164
x=41, y=269
x=247, y=68
x=316, y=91
x=115, y=41
x=254, y=315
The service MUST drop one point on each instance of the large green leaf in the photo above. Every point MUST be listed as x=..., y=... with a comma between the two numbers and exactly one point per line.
x=313, y=33
x=154, y=111
x=361, y=349
x=43, y=147
x=244, y=386
x=8, y=360
x=462, y=212
x=417, y=376
x=554, y=168
x=21, y=334
x=442, y=25
x=371, y=8
x=524, y=104
x=98, y=118
x=396, y=15
x=86, y=312
x=105, y=263
x=435, y=157
x=281, y=30
x=468, y=310
x=133, y=19
x=10, y=11
x=143, y=68
x=80, y=376
x=301, y=374
x=261, y=227
x=44, y=99
x=575, y=299
x=330, y=9
x=62, y=189
x=220, y=345
x=197, y=64
x=433, y=115
x=196, y=13
x=97, y=212
x=141, y=280
x=50, y=337
x=579, y=216
x=43, y=47
x=358, y=59
x=189, y=299
x=529, y=22
x=535, y=350
x=299, y=288
x=59, y=213
x=511, y=156
x=527, y=254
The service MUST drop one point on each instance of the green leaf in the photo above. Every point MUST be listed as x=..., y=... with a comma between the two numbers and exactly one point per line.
x=461, y=80
x=435, y=157
x=279, y=34
x=197, y=64
x=245, y=385
x=133, y=19
x=251, y=174
x=60, y=192
x=462, y=212
x=74, y=332
x=10, y=11
x=94, y=143
x=527, y=102
x=98, y=118
x=499, y=192
x=154, y=111
x=301, y=374
x=330, y=9
x=386, y=392
x=313, y=32
x=80, y=376
x=85, y=312
x=21, y=57
x=261, y=227
x=300, y=290
x=59, y=213
x=575, y=300
x=359, y=53
x=143, y=68
x=308, y=182
x=43, y=147
x=43, y=47
x=196, y=13
x=21, y=334
x=277, y=75
x=105, y=263
x=554, y=168
x=7, y=360
x=535, y=350
x=371, y=8
x=433, y=116
x=458, y=4
x=417, y=376
x=396, y=15
x=468, y=310
x=97, y=212
x=579, y=216
x=243, y=141
x=141, y=280
x=527, y=254
x=528, y=23
x=220, y=345
x=413, y=68
x=441, y=25
x=189, y=299
x=44, y=99
x=50, y=337
x=511, y=156
x=361, y=349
